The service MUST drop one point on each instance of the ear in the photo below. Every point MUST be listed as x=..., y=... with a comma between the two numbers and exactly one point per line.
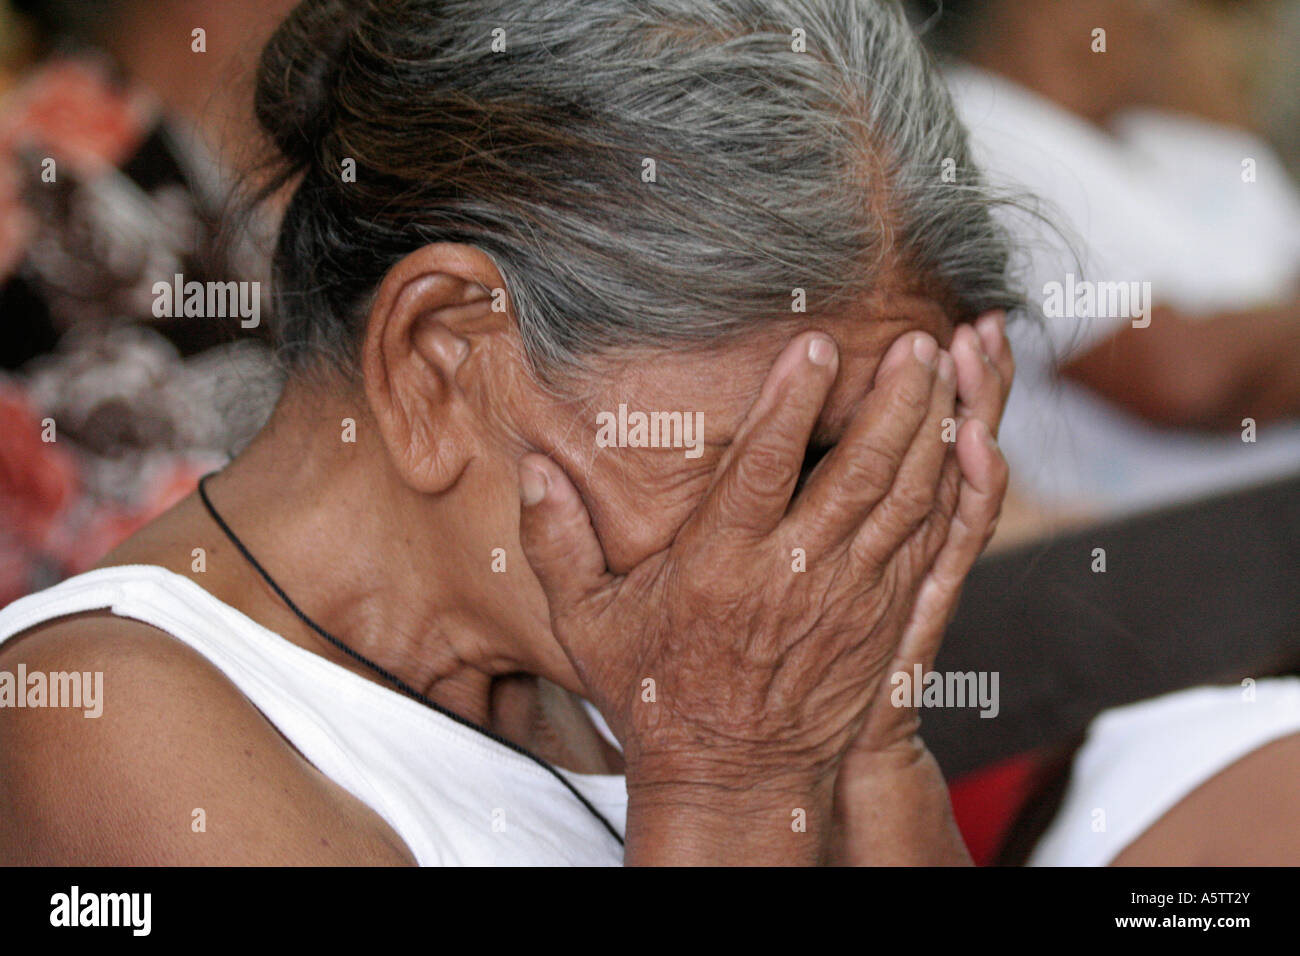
x=432, y=310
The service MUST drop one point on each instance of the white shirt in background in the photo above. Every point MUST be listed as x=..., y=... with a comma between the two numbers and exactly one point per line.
x=1162, y=200
x=1139, y=761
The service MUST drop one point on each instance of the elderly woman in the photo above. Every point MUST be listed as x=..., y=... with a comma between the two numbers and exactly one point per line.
x=456, y=603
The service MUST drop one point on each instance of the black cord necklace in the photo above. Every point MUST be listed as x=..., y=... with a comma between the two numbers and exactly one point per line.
x=387, y=675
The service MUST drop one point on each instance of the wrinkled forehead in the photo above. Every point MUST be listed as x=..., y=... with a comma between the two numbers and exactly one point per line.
x=722, y=380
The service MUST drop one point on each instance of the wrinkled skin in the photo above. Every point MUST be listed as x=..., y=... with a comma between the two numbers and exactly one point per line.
x=759, y=671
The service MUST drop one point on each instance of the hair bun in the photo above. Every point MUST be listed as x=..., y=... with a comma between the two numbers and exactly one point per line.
x=297, y=73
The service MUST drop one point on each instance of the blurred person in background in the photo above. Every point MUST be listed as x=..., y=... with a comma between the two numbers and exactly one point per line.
x=1139, y=141
x=121, y=128
x=1132, y=122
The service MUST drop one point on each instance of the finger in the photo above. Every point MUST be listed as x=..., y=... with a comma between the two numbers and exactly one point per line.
x=984, y=479
x=992, y=330
x=913, y=496
x=983, y=486
x=930, y=537
x=557, y=537
x=758, y=474
x=858, y=472
x=980, y=393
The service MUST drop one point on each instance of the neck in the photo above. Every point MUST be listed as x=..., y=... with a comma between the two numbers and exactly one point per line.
x=379, y=567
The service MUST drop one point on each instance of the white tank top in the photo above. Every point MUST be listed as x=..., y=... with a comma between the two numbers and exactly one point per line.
x=457, y=797
x=453, y=795
x=1139, y=761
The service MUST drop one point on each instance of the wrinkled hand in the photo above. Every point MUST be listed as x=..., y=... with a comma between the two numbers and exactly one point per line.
x=891, y=803
x=763, y=676
x=978, y=472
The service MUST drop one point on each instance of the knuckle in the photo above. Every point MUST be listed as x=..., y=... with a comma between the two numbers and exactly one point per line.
x=874, y=566
x=911, y=501
x=911, y=396
x=886, y=530
x=869, y=467
x=765, y=470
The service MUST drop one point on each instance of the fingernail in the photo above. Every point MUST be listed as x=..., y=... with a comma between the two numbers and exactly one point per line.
x=947, y=367
x=532, y=485
x=821, y=350
x=986, y=436
x=925, y=349
x=990, y=329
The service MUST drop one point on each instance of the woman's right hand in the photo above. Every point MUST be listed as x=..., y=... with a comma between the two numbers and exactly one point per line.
x=761, y=674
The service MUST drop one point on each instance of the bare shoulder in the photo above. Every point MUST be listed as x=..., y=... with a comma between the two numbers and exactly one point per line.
x=1248, y=814
x=133, y=749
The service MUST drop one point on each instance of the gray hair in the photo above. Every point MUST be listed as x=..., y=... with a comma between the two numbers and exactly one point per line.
x=841, y=169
